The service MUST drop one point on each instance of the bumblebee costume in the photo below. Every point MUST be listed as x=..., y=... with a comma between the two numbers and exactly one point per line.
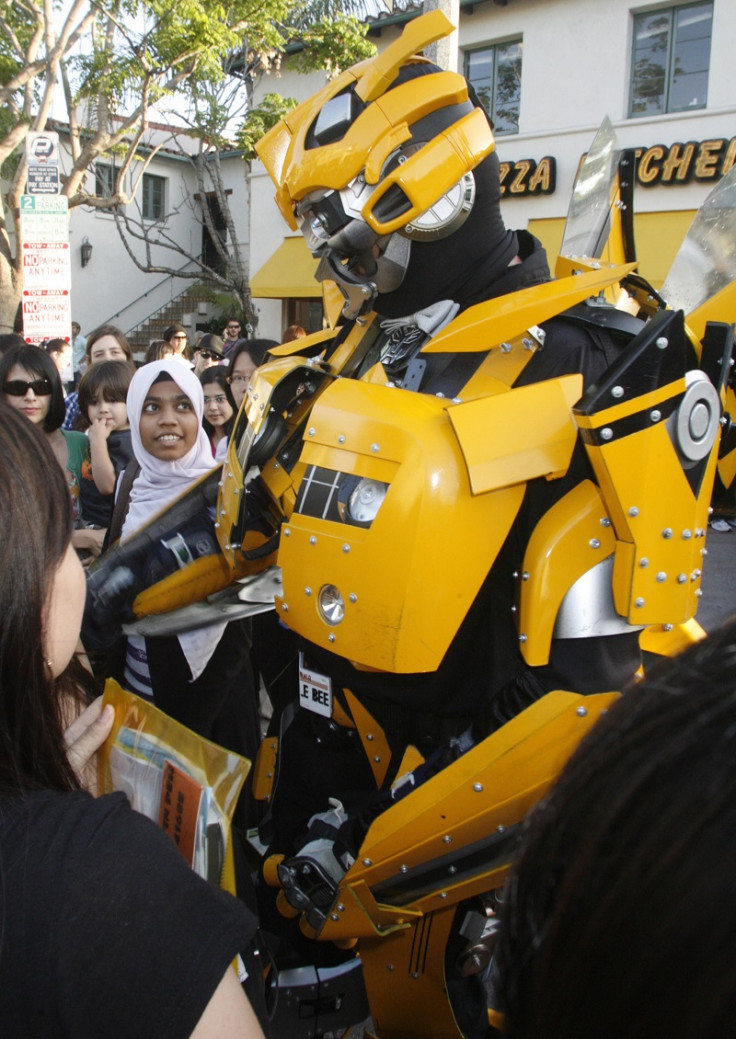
x=473, y=499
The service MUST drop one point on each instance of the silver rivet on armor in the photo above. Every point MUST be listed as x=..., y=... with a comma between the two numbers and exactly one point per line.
x=528, y=344
x=617, y=391
x=695, y=575
x=374, y=448
x=346, y=548
x=452, y=870
x=334, y=916
x=353, y=597
x=341, y=439
x=522, y=638
x=606, y=433
x=276, y=466
x=525, y=576
x=369, y=737
x=667, y=627
x=443, y=894
x=667, y=533
x=284, y=607
x=307, y=590
x=698, y=592
x=633, y=511
x=403, y=868
x=605, y=521
x=594, y=543
x=389, y=967
x=367, y=862
x=662, y=343
x=478, y=788
x=581, y=712
x=515, y=574
x=311, y=431
x=415, y=974
x=643, y=562
x=313, y=540
x=639, y=603
x=457, y=400
x=681, y=578
x=447, y=839
x=686, y=535
x=505, y=348
x=661, y=576
x=377, y=760
x=704, y=551
x=500, y=829
x=217, y=526
x=331, y=637
x=655, y=415
x=513, y=609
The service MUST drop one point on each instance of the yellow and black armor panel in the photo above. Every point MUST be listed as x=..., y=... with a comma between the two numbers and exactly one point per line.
x=651, y=430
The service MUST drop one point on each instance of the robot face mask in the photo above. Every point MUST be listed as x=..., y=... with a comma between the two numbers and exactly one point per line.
x=379, y=158
x=361, y=262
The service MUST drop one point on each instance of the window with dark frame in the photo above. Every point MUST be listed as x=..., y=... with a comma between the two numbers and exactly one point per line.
x=670, y=59
x=153, y=197
x=495, y=74
x=104, y=179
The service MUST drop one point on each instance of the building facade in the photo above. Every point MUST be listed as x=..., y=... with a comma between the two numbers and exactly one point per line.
x=548, y=72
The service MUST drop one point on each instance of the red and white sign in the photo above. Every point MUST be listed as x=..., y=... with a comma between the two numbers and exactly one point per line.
x=44, y=227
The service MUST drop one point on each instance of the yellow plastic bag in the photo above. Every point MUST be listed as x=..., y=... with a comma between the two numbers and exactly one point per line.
x=185, y=783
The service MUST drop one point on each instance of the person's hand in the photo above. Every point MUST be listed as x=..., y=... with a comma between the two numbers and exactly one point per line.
x=88, y=539
x=84, y=737
x=100, y=430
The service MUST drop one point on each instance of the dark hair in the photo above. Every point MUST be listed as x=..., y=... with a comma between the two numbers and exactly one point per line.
x=158, y=349
x=38, y=363
x=110, y=379
x=56, y=346
x=9, y=340
x=255, y=348
x=109, y=330
x=33, y=544
x=218, y=376
x=172, y=329
x=620, y=917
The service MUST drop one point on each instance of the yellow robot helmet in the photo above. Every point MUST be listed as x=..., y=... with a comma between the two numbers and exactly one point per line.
x=387, y=147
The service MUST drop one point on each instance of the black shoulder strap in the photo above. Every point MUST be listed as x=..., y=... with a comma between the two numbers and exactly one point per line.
x=121, y=503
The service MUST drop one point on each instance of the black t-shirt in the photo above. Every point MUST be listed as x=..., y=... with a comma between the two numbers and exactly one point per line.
x=97, y=508
x=105, y=931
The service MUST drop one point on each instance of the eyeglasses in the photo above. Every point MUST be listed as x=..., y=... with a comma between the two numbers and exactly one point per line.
x=219, y=399
x=233, y=328
x=19, y=387
x=239, y=378
x=208, y=355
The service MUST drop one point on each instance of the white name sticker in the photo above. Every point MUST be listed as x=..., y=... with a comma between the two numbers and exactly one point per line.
x=315, y=690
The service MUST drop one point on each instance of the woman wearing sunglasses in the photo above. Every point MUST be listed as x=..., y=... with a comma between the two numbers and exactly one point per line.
x=31, y=384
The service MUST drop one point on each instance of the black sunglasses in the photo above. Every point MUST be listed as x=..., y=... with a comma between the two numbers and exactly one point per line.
x=208, y=355
x=19, y=387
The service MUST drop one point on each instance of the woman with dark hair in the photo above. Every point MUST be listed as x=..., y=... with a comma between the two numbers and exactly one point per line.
x=246, y=356
x=219, y=409
x=620, y=918
x=31, y=384
x=95, y=900
x=105, y=343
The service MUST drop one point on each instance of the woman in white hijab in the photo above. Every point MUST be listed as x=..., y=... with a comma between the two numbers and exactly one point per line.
x=203, y=678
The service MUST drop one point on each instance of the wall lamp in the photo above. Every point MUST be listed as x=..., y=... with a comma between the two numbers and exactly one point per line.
x=86, y=251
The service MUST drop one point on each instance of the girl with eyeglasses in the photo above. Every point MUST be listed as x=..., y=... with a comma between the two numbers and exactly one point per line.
x=245, y=358
x=219, y=410
x=31, y=384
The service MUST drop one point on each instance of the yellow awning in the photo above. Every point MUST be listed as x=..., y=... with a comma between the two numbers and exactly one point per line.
x=289, y=272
